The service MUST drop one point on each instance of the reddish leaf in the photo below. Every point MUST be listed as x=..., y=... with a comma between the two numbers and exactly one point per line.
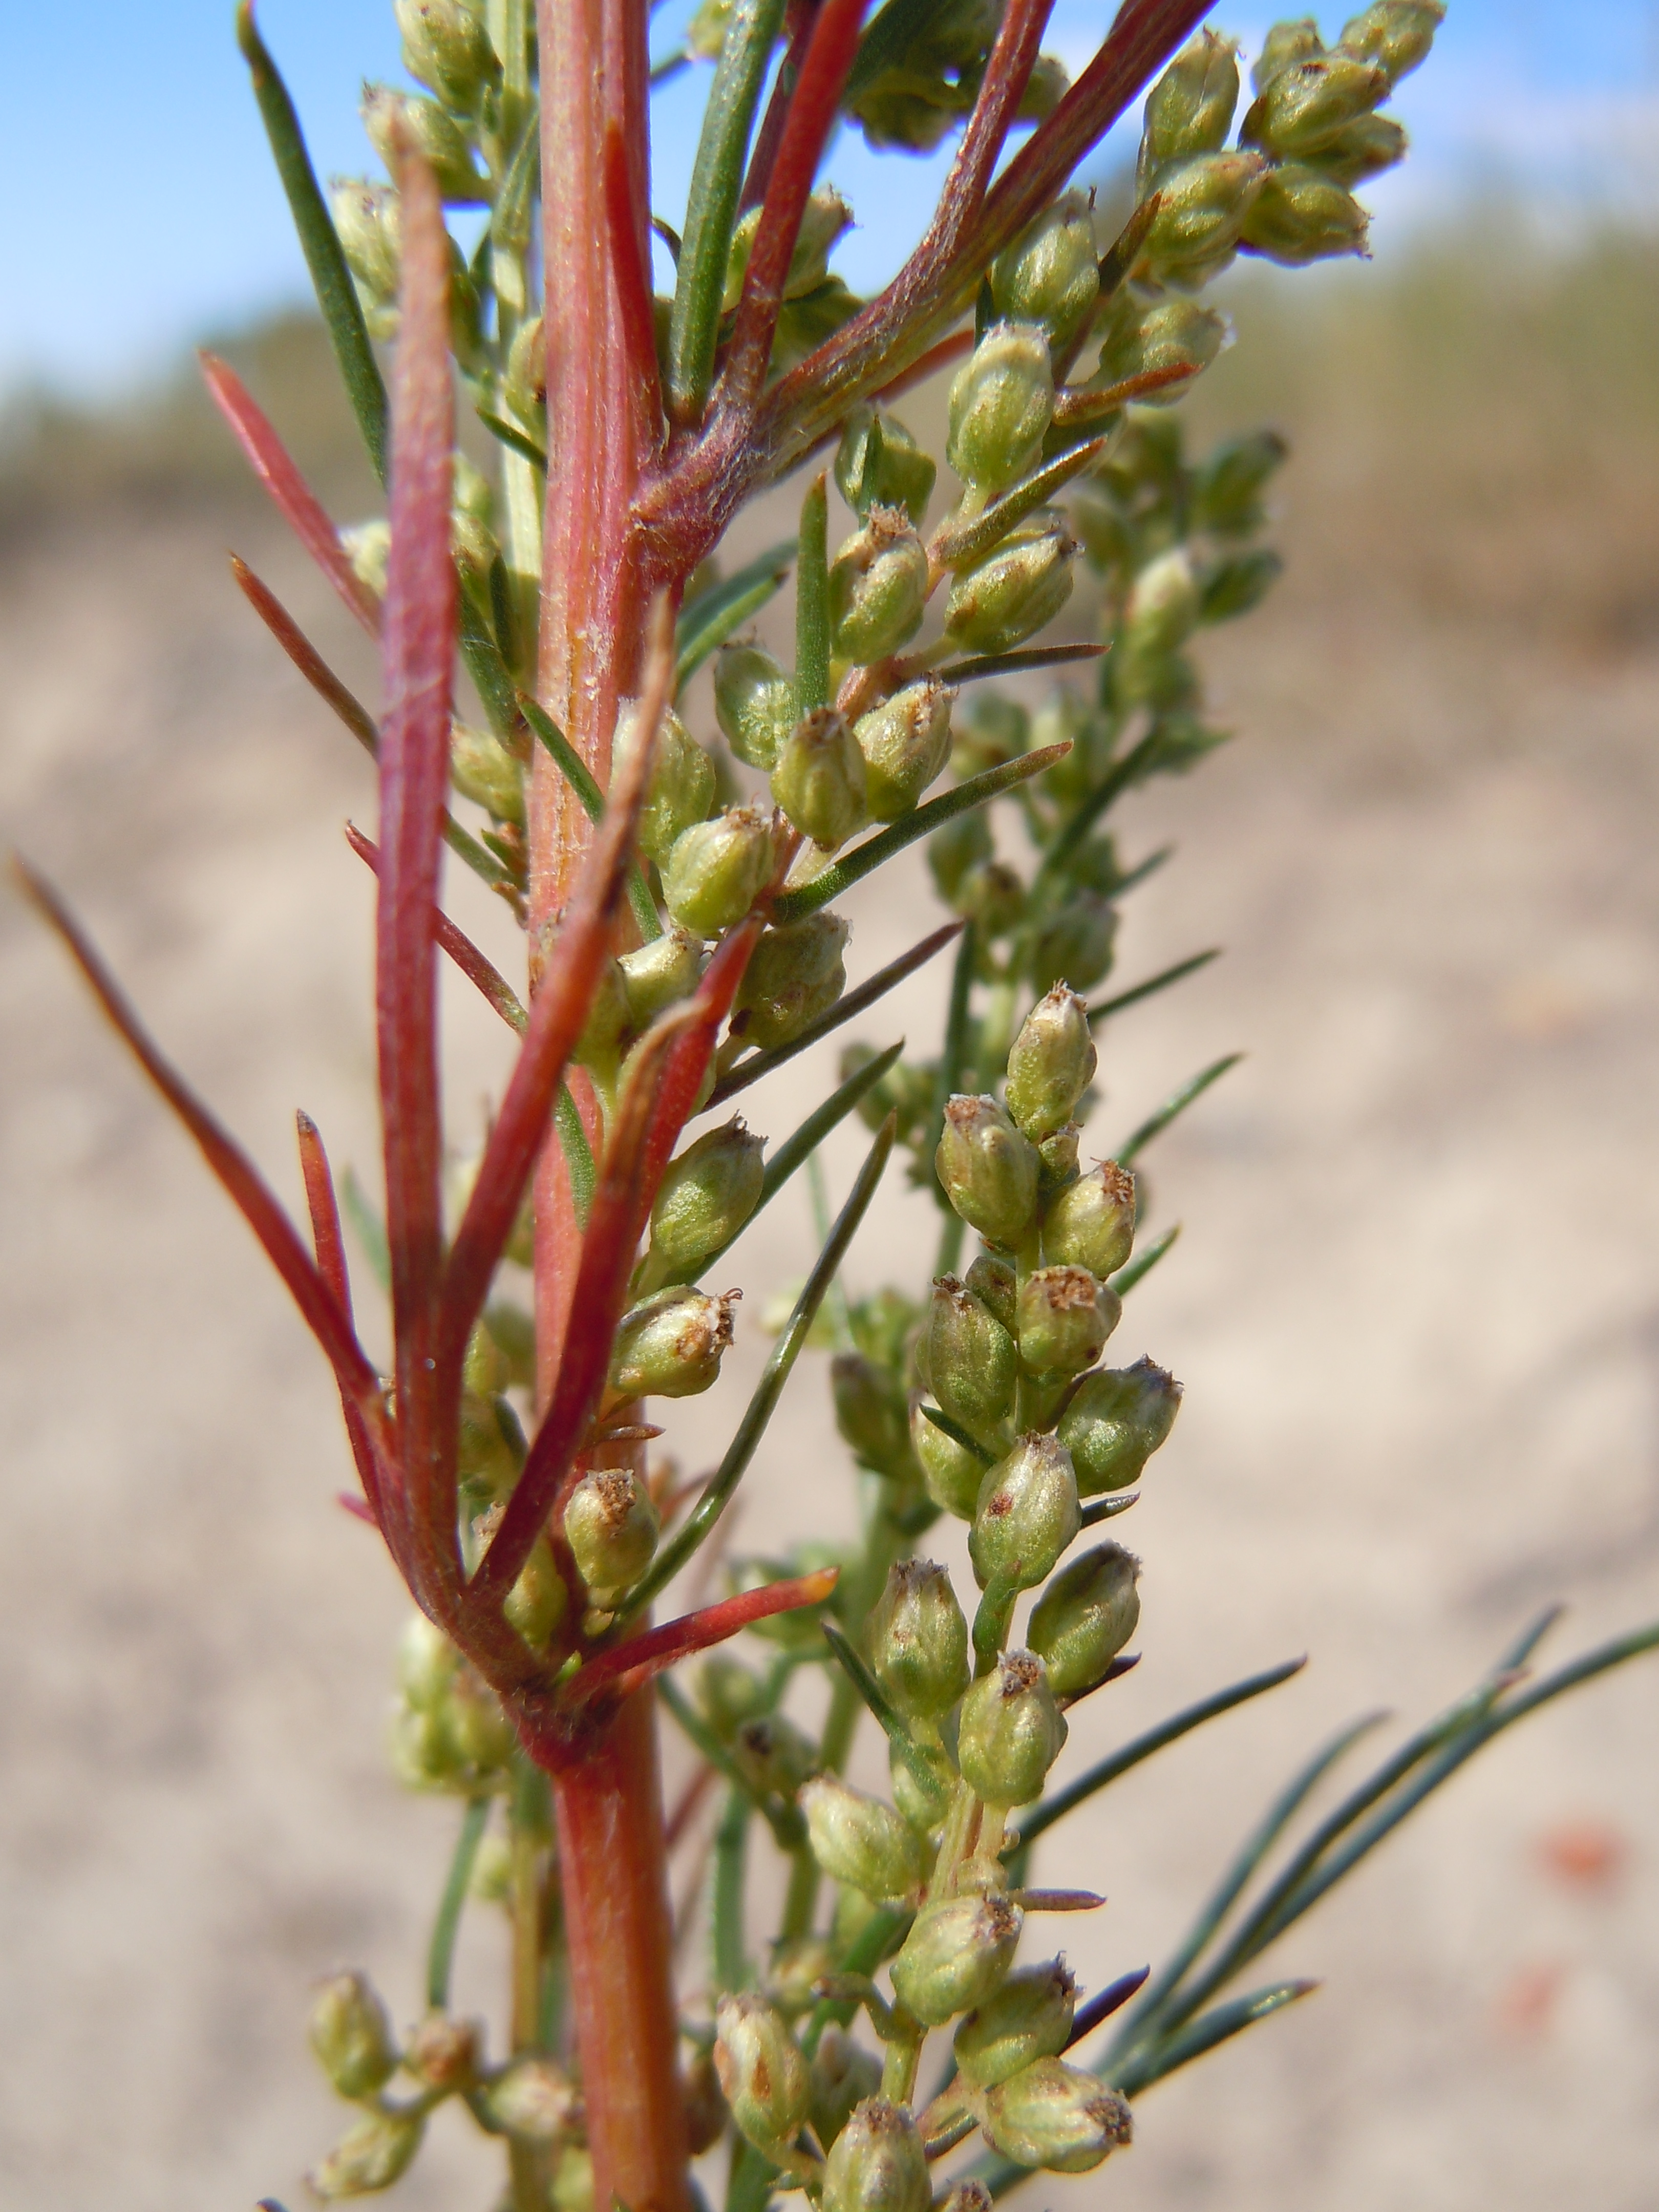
x=462, y=950
x=305, y=656
x=631, y=270
x=1002, y=89
x=300, y=504
x=631, y=1665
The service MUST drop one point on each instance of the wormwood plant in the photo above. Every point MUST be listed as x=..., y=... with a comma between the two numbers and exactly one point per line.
x=682, y=941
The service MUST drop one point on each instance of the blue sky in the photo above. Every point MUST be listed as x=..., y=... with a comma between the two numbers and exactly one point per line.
x=145, y=212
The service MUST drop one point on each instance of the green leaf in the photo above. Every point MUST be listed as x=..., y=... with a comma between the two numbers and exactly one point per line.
x=1142, y=1263
x=1161, y=981
x=812, y=601
x=788, y=1832
x=1108, y=1508
x=864, y=1682
x=865, y=858
x=709, y=619
x=1021, y=662
x=574, y=771
x=958, y=1435
x=578, y=1153
x=440, y=1953
x=1205, y=2033
x=1173, y=1106
x=520, y=441
x=969, y=540
x=730, y=1959
x=952, y=1069
x=337, y=296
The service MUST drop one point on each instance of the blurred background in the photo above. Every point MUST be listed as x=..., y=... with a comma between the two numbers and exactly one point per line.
x=1415, y=1305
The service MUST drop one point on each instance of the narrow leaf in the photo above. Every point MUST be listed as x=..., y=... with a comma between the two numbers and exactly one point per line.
x=516, y=439
x=1161, y=981
x=578, y=775
x=629, y=1666
x=578, y=1153
x=1142, y=1266
x=812, y=601
x=479, y=971
x=1021, y=662
x=970, y=1443
x=440, y=1953
x=1105, y=2003
x=1108, y=1508
x=1173, y=1106
x=708, y=621
x=330, y=1251
x=1205, y=2033
x=864, y=1682
x=953, y=548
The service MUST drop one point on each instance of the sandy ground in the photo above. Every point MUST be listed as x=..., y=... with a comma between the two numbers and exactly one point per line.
x=1415, y=1307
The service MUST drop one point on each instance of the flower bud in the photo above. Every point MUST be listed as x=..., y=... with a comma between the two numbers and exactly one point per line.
x=918, y=1640
x=1202, y=204
x=532, y=2100
x=659, y=974
x=1057, y=1154
x=958, y=1950
x=682, y=787
x=754, y=703
x=427, y=1663
x=1190, y=109
x=371, y=2156
x=1235, y=585
x=1013, y=1731
x=1002, y=401
x=1051, y=1064
x=718, y=869
x=823, y=220
x=968, y=2196
x=1394, y=34
x=989, y=1171
x=368, y=221
x=571, y=2189
x=1074, y=945
x=1307, y=105
x=536, y=1604
x=762, y=2071
x=1303, y=215
x=708, y=1193
x=905, y=743
x=1115, y=1422
x=610, y=1526
x=957, y=847
x=1084, y=1617
x=878, y=586
x=950, y=1474
x=1026, y=1514
x=1064, y=1319
x=1016, y=590
x=876, y=2163
x=775, y=1755
x=435, y=137
x=1092, y=1222
x=1058, y=2116
x=879, y=464
x=352, y=2036
x=1369, y=144
x=923, y=1794
x=795, y=974
x=820, y=780
x=843, y=2074
x=1030, y=2017
x=1227, y=496
x=671, y=1346
x=1051, y=276
x=447, y=47
x=870, y=1412
x=476, y=1732
x=730, y=1693
x=482, y=769
x=859, y=1840
x=443, y=2052
x=527, y=375
x=993, y=1283
x=970, y=1359
x=1171, y=334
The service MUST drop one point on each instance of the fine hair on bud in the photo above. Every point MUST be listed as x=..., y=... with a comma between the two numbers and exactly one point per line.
x=958, y=1951
x=708, y=1192
x=970, y=1358
x=1001, y=403
x=989, y=1169
x=610, y=1526
x=905, y=743
x=1011, y=1731
x=754, y=703
x=821, y=782
x=795, y=974
x=878, y=586
x=671, y=1345
x=1091, y=1222
x=918, y=1640
x=717, y=869
x=1057, y=2117
x=1051, y=1063
x=1026, y=1515
x=1030, y=2017
x=762, y=2070
x=859, y=1840
x=1064, y=1317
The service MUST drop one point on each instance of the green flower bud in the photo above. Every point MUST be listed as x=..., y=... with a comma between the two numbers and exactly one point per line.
x=1190, y=109
x=352, y=2036
x=599, y=1047
x=824, y=218
x=1074, y=946
x=1162, y=610
x=1115, y=1422
x=705, y=35
x=905, y=743
x=1013, y=1731
x=859, y=1840
x=950, y=1474
x=918, y=1640
x=368, y=220
x=478, y=1732
x=993, y=897
x=443, y=2053
x=1227, y=494
x=1051, y=276
x=1233, y=587
x=730, y=1693
x=682, y=789
x=879, y=464
x=1046, y=87
x=775, y=1755
x=876, y=2163
x=754, y=703
x=1026, y=1515
x=989, y=1171
x=1057, y=1153
x=571, y=2189
x=1016, y=590
x=997, y=729
x=1091, y=1223
x=532, y=2100
x=993, y=1282
x=371, y=2156
x=870, y=1412
x=1370, y=144
x=970, y=2196
x=610, y=1526
x=527, y=375
x=1171, y=333
x=1306, y=106
x=795, y=974
x=820, y=780
x=1030, y=2017
x=1202, y=205
x=447, y=47
x=427, y=1663
x=671, y=1346
x=718, y=869
x=1064, y=1317
x=804, y=324
x=958, y=1951
x=1394, y=34
x=536, y=1604
x=708, y=1192
x=970, y=1358
x=1051, y=1064
x=367, y=546
x=1284, y=48
x=1303, y=215
x=436, y=137
x=953, y=851
x=797, y=1964
x=1002, y=401
x=762, y=2071
x=1084, y=1617
x=878, y=586
x=1058, y=2116
x=661, y=973
x=924, y=1804
x=843, y=2074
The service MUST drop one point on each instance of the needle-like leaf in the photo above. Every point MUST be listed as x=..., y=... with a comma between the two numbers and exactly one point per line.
x=852, y=1664
x=330, y=1250
x=578, y=775
x=709, y=620
x=629, y=1666
x=812, y=601
x=967, y=541
x=1107, y=1007
x=1142, y=1265
x=1213, y=2027
x=1174, y=1106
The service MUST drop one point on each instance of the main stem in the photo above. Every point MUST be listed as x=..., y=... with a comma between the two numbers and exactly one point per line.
x=607, y=1796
